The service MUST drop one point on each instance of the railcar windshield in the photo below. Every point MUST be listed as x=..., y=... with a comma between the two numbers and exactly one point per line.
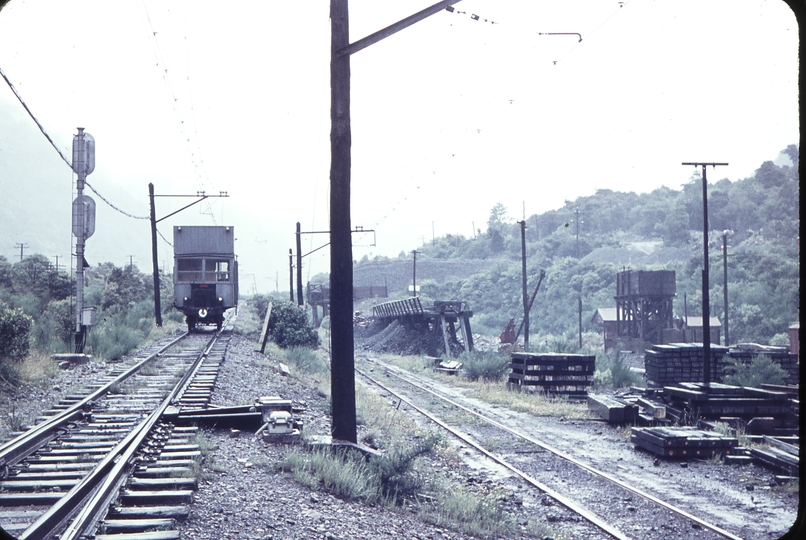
x=220, y=267
x=189, y=269
x=200, y=270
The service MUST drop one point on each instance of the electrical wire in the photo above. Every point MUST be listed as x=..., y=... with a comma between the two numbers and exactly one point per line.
x=495, y=116
x=199, y=168
x=64, y=158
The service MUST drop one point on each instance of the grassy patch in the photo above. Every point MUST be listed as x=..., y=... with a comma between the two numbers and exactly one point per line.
x=305, y=359
x=36, y=368
x=474, y=514
x=533, y=403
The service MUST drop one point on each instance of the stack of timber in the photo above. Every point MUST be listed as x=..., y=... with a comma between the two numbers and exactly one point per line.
x=679, y=362
x=759, y=411
x=613, y=409
x=682, y=442
x=746, y=352
x=779, y=455
x=551, y=373
x=634, y=408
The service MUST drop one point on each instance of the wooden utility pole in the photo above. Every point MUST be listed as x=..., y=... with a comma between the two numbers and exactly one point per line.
x=725, y=283
x=155, y=270
x=341, y=249
x=299, y=266
x=414, y=274
x=525, y=291
x=22, y=247
x=291, y=275
x=706, y=308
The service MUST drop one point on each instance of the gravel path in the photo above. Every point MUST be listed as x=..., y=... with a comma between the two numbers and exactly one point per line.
x=244, y=497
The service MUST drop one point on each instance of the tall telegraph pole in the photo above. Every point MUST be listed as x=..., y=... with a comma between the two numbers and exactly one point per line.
x=706, y=308
x=341, y=250
x=526, y=304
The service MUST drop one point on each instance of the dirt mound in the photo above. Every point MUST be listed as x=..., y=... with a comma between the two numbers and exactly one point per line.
x=394, y=338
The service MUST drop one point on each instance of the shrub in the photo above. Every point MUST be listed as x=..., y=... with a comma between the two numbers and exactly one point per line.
x=288, y=327
x=15, y=327
x=394, y=471
x=760, y=370
x=53, y=331
x=348, y=475
x=118, y=334
x=613, y=372
x=485, y=365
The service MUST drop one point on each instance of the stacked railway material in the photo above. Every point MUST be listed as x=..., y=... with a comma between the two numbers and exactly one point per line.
x=630, y=408
x=678, y=362
x=759, y=411
x=778, y=455
x=746, y=352
x=569, y=375
x=682, y=442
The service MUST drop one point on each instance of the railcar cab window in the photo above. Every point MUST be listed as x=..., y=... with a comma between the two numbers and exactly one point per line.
x=189, y=269
x=220, y=267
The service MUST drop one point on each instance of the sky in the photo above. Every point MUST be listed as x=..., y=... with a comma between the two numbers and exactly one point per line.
x=496, y=102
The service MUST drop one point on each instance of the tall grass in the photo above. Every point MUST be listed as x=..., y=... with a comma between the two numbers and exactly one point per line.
x=305, y=359
x=613, y=372
x=478, y=515
x=484, y=365
x=116, y=335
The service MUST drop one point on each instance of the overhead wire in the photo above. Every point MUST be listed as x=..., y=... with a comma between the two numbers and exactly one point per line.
x=492, y=118
x=58, y=150
x=199, y=171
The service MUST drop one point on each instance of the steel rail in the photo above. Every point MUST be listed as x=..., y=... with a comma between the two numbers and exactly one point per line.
x=559, y=453
x=568, y=503
x=14, y=450
x=104, y=481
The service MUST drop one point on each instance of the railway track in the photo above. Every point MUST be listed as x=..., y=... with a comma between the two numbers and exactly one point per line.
x=610, y=507
x=105, y=463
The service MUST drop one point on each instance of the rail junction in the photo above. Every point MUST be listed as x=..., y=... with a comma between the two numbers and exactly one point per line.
x=107, y=463
x=584, y=490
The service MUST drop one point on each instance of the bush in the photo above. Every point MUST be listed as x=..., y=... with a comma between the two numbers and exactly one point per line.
x=348, y=475
x=15, y=327
x=485, y=365
x=288, y=327
x=53, y=331
x=760, y=370
x=120, y=333
x=613, y=372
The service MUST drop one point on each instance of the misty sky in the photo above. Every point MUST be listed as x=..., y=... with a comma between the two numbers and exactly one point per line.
x=449, y=116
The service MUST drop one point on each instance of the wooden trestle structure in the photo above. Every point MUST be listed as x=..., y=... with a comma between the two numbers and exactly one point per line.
x=439, y=320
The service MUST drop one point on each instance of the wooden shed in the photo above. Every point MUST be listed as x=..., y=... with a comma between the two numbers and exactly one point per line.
x=607, y=317
x=694, y=326
x=794, y=338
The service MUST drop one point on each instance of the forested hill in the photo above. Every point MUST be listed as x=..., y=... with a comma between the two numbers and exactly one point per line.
x=584, y=244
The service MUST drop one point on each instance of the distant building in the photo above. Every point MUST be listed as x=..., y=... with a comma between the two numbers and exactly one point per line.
x=794, y=337
x=694, y=330
x=607, y=317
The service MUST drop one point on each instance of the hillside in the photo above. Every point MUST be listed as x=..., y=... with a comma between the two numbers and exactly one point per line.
x=583, y=245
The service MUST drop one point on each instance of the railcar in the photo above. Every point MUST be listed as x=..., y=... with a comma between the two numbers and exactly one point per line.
x=205, y=274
